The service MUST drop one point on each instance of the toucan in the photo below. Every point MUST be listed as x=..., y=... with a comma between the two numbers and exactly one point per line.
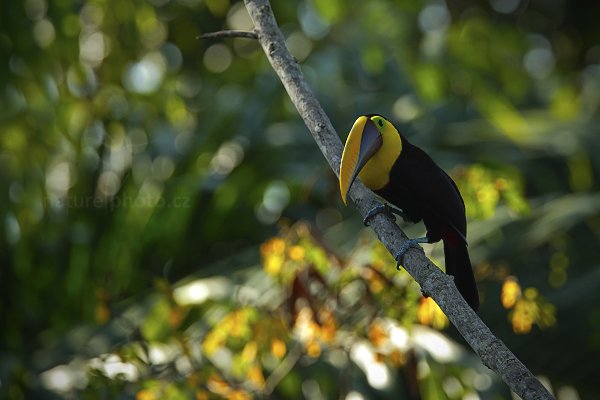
x=409, y=179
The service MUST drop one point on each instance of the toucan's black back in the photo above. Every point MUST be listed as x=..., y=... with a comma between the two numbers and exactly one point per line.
x=425, y=192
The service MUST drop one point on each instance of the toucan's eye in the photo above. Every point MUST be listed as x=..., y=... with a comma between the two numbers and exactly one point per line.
x=380, y=122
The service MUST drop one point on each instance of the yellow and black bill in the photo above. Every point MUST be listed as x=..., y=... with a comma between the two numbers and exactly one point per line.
x=363, y=141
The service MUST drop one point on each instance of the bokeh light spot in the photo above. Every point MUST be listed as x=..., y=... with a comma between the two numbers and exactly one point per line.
x=44, y=33
x=311, y=22
x=406, y=108
x=108, y=184
x=434, y=17
x=299, y=45
x=93, y=48
x=505, y=6
x=217, y=58
x=238, y=18
x=58, y=179
x=146, y=75
x=36, y=9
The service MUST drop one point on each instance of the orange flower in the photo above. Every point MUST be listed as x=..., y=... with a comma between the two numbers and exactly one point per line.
x=278, y=348
x=296, y=253
x=377, y=334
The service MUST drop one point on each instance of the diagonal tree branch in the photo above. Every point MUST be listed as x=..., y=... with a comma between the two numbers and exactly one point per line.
x=494, y=354
x=229, y=34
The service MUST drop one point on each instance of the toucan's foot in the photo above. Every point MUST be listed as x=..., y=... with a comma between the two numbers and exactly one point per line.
x=379, y=208
x=407, y=245
x=386, y=209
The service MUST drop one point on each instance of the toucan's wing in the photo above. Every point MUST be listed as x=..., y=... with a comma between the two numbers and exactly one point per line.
x=433, y=191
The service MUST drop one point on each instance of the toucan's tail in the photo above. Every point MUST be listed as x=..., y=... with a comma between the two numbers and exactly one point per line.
x=458, y=265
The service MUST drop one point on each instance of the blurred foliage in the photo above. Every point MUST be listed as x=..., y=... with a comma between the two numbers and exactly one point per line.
x=146, y=174
x=483, y=188
x=527, y=307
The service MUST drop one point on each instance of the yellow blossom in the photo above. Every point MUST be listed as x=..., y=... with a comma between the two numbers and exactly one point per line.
x=145, y=394
x=217, y=385
x=429, y=313
x=255, y=377
x=272, y=264
x=523, y=316
x=273, y=254
x=313, y=349
x=249, y=352
x=239, y=395
x=511, y=292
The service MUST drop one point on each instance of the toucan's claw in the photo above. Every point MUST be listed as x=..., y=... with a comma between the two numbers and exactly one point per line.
x=379, y=208
x=386, y=209
x=407, y=245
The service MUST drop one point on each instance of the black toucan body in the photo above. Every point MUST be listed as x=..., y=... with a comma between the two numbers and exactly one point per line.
x=409, y=179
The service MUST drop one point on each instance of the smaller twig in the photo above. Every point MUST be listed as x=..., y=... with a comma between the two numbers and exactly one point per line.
x=283, y=369
x=229, y=34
